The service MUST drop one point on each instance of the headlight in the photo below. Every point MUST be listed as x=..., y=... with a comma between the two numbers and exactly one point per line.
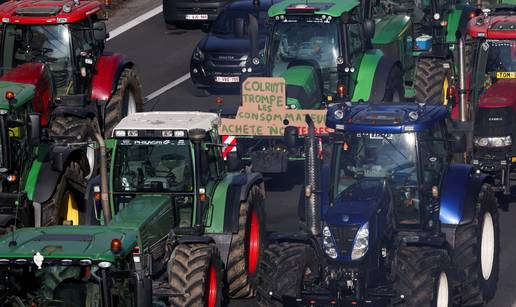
x=198, y=55
x=493, y=141
x=328, y=243
x=361, y=242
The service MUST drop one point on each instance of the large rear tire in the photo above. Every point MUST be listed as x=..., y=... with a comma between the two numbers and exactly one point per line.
x=127, y=99
x=282, y=272
x=195, y=270
x=422, y=275
x=476, y=252
x=431, y=81
x=247, y=246
x=66, y=206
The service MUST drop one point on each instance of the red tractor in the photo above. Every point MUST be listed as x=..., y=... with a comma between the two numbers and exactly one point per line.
x=69, y=38
x=492, y=93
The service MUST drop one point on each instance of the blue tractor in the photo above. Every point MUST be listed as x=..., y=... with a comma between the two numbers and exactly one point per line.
x=387, y=218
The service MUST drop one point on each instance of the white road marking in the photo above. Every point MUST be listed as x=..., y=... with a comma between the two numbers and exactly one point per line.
x=133, y=23
x=167, y=87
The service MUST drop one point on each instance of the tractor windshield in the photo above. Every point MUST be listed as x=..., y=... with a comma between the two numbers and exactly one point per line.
x=49, y=44
x=308, y=43
x=380, y=156
x=500, y=60
x=163, y=166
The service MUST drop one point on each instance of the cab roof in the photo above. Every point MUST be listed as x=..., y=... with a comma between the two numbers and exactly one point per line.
x=169, y=121
x=47, y=11
x=333, y=8
x=384, y=118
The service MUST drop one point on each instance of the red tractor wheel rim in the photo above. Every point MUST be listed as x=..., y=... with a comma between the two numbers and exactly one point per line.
x=211, y=297
x=253, y=249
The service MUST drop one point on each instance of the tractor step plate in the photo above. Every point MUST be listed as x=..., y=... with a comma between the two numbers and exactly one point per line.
x=162, y=289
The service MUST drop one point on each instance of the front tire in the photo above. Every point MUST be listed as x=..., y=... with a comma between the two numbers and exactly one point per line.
x=476, y=252
x=247, y=246
x=282, y=273
x=422, y=275
x=195, y=270
x=394, y=91
x=127, y=99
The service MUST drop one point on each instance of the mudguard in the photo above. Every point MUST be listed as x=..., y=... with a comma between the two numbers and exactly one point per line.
x=108, y=69
x=236, y=193
x=49, y=171
x=194, y=239
x=82, y=112
x=373, y=63
x=459, y=194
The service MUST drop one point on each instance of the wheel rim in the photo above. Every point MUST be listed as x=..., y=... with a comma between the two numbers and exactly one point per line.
x=71, y=209
x=487, y=246
x=443, y=291
x=253, y=249
x=211, y=297
x=131, y=103
x=445, y=90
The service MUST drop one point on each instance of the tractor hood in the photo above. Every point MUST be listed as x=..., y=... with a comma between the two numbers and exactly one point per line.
x=23, y=93
x=66, y=242
x=499, y=95
x=358, y=203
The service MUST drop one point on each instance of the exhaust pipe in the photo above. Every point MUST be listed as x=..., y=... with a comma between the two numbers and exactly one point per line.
x=103, y=178
x=463, y=112
x=312, y=180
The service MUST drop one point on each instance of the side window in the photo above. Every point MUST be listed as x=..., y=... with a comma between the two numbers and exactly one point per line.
x=355, y=43
x=433, y=153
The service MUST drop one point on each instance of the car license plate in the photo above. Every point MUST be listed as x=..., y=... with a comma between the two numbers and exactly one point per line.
x=505, y=75
x=227, y=79
x=197, y=17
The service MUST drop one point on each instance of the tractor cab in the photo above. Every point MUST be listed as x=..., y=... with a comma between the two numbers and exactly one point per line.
x=65, y=36
x=165, y=153
x=316, y=46
x=391, y=156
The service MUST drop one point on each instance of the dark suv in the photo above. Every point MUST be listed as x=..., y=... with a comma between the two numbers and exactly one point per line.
x=219, y=60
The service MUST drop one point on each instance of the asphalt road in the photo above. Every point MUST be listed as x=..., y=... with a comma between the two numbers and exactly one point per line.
x=163, y=56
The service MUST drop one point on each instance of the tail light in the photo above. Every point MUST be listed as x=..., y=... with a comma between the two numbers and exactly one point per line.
x=341, y=90
x=451, y=93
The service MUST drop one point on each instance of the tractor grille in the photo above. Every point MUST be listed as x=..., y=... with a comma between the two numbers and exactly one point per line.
x=344, y=237
x=492, y=122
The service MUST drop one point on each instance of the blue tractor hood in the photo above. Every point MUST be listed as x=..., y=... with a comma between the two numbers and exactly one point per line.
x=358, y=203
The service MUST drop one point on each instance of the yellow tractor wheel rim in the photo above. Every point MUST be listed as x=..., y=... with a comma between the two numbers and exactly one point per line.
x=71, y=208
x=445, y=89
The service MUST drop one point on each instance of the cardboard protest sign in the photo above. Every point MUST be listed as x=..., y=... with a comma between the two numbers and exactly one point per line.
x=263, y=111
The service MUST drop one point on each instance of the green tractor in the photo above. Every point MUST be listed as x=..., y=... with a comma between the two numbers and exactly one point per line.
x=167, y=223
x=325, y=50
x=38, y=176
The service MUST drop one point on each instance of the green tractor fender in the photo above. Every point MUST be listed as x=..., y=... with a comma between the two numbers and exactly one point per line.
x=46, y=173
x=458, y=21
x=374, y=63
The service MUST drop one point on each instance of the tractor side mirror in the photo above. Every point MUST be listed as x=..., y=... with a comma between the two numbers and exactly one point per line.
x=369, y=28
x=34, y=128
x=233, y=162
x=205, y=27
x=290, y=136
x=458, y=142
x=100, y=31
x=239, y=25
